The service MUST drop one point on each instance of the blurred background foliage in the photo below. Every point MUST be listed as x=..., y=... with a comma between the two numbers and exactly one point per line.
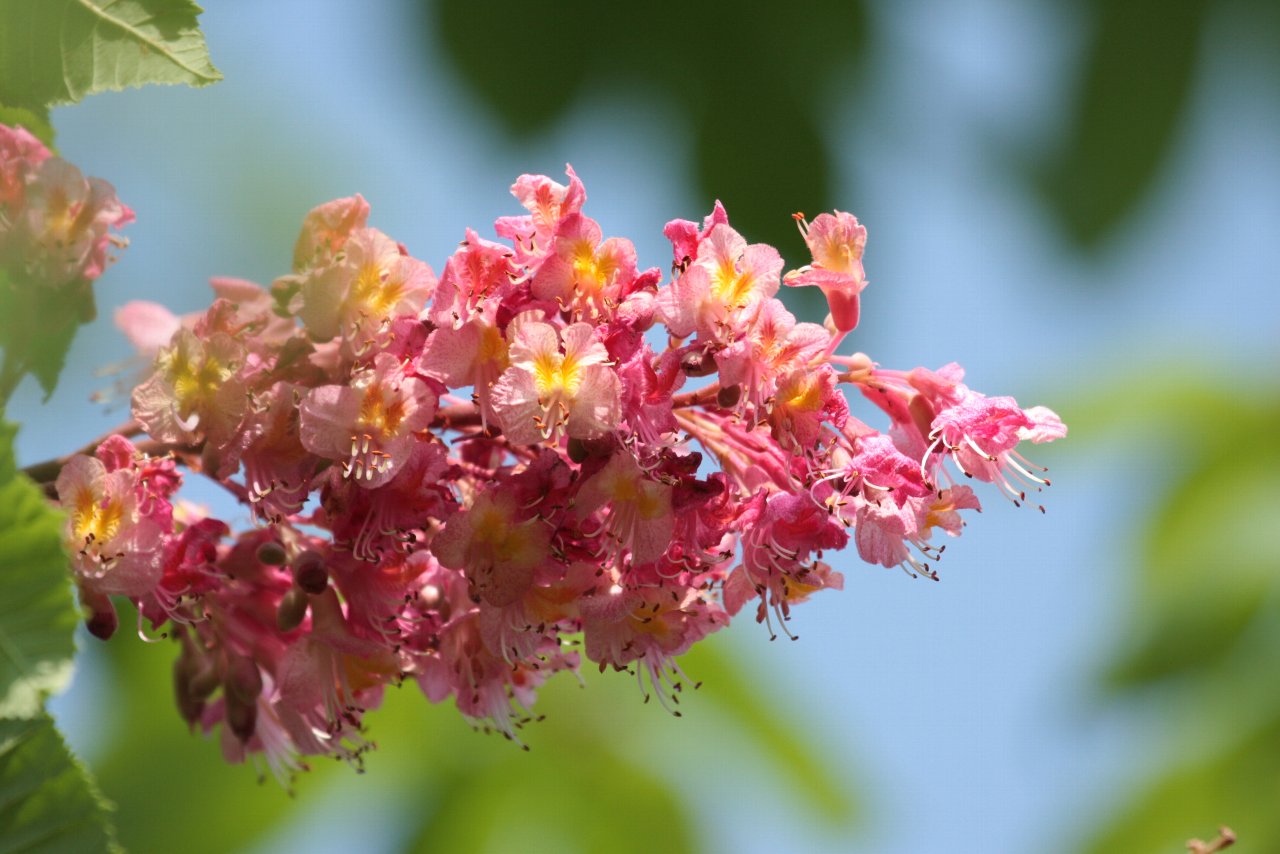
x=603, y=772
x=766, y=107
x=1204, y=629
x=756, y=89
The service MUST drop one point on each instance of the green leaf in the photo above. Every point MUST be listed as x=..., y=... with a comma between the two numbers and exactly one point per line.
x=59, y=51
x=799, y=760
x=756, y=90
x=1236, y=786
x=37, y=612
x=48, y=801
x=1205, y=612
x=1207, y=575
x=517, y=805
x=1135, y=88
x=39, y=349
x=48, y=353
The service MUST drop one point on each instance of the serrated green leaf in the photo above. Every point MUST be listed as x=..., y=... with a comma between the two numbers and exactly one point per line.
x=48, y=352
x=48, y=801
x=59, y=51
x=37, y=612
x=39, y=349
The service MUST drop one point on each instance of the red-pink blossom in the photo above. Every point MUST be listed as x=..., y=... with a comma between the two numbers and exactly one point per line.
x=463, y=484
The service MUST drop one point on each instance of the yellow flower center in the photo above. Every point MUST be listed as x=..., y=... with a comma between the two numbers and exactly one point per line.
x=729, y=286
x=195, y=380
x=382, y=413
x=375, y=294
x=95, y=521
x=555, y=374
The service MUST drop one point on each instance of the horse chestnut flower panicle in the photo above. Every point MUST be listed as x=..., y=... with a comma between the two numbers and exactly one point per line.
x=454, y=480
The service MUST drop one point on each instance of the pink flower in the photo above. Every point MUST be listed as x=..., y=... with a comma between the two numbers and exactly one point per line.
x=558, y=384
x=480, y=272
x=686, y=237
x=771, y=346
x=20, y=154
x=474, y=354
x=114, y=548
x=884, y=531
x=453, y=483
x=195, y=391
x=66, y=221
x=326, y=229
x=650, y=627
x=149, y=326
x=836, y=243
x=370, y=425
x=981, y=434
x=639, y=518
x=582, y=274
x=496, y=551
x=716, y=296
x=548, y=203
x=358, y=295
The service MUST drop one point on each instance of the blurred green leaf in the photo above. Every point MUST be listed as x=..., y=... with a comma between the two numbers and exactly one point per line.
x=519, y=805
x=529, y=74
x=1139, y=67
x=37, y=612
x=59, y=51
x=1237, y=787
x=170, y=784
x=1206, y=613
x=798, y=760
x=1207, y=572
x=755, y=85
x=39, y=349
x=48, y=803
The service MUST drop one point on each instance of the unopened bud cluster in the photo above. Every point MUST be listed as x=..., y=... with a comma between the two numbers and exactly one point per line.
x=546, y=453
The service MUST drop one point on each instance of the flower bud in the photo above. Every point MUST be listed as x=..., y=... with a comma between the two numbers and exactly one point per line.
x=103, y=624
x=242, y=717
x=292, y=610
x=698, y=364
x=244, y=680
x=309, y=572
x=272, y=553
x=204, y=680
x=190, y=706
x=433, y=597
x=728, y=396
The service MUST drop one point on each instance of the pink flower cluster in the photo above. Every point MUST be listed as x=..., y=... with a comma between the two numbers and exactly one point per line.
x=472, y=481
x=54, y=223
